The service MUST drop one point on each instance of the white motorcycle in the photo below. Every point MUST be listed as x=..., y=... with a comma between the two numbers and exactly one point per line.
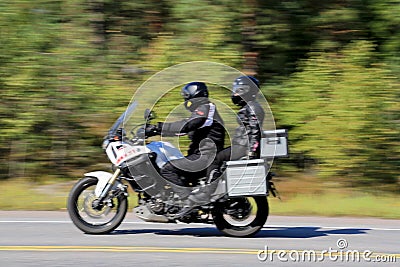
x=238, y=204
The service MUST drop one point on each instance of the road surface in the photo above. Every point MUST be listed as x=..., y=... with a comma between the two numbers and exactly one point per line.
x=50, y=239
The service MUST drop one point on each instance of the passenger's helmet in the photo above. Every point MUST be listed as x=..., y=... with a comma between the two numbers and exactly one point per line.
x=245, y=88
x=194, y=90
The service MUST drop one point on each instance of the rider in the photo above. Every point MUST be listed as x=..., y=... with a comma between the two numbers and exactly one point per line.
x=206, y=131
x=246, y=141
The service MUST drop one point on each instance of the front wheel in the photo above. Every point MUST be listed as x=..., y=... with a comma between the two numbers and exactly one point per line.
x=241, y=217
x=90, y=217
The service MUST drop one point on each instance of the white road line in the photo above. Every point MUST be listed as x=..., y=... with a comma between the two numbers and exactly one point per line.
x=266, y=227
x=332, y=227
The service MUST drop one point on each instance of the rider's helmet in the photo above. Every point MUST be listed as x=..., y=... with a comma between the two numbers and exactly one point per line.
x=194, y=94
x=245, y=88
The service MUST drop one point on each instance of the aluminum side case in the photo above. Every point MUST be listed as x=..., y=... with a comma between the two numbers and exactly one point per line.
x=246, y=178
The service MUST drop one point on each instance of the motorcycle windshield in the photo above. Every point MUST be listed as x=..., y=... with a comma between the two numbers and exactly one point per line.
x=131, y=119
x=124, y=117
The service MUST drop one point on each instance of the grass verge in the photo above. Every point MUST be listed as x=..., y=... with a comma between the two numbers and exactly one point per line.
x=18, y=194
x=339, y=204
x=23, y=195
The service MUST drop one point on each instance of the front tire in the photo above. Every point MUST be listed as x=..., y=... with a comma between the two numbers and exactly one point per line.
x=94, y=220
x=241, y=217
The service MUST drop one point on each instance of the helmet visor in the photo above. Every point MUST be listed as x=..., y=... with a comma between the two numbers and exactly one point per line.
x=240, y=89
x=185, y=94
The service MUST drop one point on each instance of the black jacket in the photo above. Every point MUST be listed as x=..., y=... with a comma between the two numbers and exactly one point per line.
x=249, y=133
x=204, y=122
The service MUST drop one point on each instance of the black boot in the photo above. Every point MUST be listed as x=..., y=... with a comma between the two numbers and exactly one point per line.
x=187, y=207
x=199, y=196
x=182, y=192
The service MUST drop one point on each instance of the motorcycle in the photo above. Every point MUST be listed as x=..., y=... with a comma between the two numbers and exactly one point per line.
x=98, y=203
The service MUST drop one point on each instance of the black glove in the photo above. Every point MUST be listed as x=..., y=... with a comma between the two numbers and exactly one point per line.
x=160, y=126
x=141, y=132
x=152, y=130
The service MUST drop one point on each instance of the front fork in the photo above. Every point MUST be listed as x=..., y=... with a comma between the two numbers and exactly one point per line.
x=109, y=185
x=105, y=192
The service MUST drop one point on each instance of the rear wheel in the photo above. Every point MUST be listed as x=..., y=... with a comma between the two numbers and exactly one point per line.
x=241, y=217
x=93, y=218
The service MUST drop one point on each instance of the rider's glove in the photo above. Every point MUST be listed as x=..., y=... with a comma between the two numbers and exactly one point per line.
x=160, y=126
x=152, y=130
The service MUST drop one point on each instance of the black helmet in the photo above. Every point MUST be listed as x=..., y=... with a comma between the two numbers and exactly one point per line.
x=245, y=88
x=194, y=90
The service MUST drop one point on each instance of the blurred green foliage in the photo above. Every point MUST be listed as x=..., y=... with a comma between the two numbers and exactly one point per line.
x=340, y=108
x=330, y=70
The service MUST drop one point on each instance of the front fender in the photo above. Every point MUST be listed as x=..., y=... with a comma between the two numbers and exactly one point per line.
x=103, y=178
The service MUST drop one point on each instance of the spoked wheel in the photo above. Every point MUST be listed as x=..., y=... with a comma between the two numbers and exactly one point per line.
x=90, y=216
x=241, y=217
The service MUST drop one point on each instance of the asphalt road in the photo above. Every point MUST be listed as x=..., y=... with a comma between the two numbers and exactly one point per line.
x=50, y=239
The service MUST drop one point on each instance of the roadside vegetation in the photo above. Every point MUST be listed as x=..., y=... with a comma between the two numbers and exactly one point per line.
x=329, y=70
